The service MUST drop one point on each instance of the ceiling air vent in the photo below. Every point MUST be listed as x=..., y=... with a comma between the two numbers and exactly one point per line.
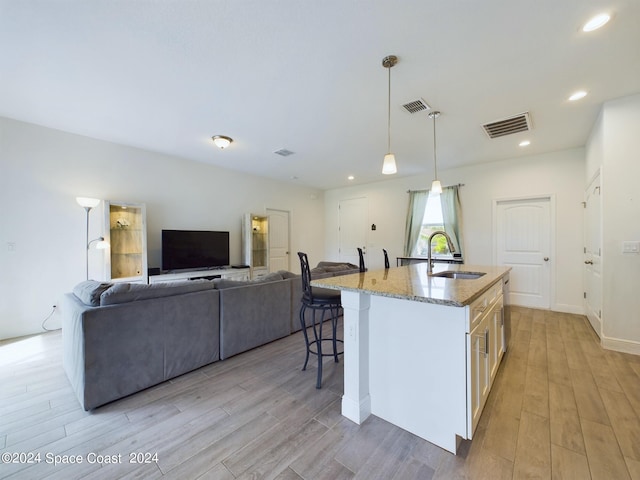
x=507, y=126
x=283, y=152
x=416, y=106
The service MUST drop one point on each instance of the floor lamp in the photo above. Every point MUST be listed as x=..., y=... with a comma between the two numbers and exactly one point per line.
x=88, y=204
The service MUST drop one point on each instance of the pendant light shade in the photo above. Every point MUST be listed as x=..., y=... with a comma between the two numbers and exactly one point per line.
x=436, y=186
x=389, y=163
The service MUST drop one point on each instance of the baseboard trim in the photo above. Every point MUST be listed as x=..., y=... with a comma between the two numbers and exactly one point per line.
x=559, y=307
x=618, y=345
x=566, y=308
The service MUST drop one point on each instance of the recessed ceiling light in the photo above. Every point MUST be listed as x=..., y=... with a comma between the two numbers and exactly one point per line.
x=577, y=95
x=525, y=143
x=596, y=22
x=350, y=177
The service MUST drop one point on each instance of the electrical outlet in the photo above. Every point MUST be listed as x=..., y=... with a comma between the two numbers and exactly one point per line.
x=631, y=247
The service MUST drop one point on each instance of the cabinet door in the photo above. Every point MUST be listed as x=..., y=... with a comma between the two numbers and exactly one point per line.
x=496, y=337
x=477, y=342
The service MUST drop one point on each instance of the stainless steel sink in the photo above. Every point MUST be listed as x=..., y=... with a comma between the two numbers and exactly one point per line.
x=459, y=275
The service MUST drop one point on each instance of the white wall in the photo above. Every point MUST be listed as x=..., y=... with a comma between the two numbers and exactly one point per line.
x=613, y=147
x=43, y=170
x=559, y=173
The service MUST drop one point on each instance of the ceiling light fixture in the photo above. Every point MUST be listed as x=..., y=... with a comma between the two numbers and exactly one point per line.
x=350, y=177
x=524, y=143
x=389, y=164
x=221, y=141
x=436, y=186
x=596, y=22
x=577, y=95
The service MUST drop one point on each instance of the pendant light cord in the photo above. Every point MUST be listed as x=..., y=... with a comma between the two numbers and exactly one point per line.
x=435, y=160
x=389, y=113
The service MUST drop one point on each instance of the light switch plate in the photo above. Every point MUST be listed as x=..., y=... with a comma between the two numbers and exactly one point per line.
x=631, y=247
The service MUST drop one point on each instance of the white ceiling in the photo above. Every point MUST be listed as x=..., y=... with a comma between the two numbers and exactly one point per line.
x=165, y=75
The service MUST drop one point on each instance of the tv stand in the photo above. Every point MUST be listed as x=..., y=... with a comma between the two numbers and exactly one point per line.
x=226, y=272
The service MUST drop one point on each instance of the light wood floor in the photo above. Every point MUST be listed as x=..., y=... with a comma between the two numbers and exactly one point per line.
x=561, y=407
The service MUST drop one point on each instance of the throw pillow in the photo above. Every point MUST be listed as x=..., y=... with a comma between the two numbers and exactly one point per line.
x=89, y=291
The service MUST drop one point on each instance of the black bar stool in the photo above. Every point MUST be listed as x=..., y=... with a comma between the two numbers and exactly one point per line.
x=318, y=300
x=386, y=259
x=361, y=254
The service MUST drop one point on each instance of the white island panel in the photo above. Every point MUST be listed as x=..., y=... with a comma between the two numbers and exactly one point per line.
x=417, y=356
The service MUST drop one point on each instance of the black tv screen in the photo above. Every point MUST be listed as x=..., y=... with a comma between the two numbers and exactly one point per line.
x=191, y=249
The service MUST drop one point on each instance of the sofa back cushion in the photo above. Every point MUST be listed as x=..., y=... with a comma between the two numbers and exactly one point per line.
x=286, y=274
x=222, y=283
x=336, y=266
x=130, y=292
x=89, y=292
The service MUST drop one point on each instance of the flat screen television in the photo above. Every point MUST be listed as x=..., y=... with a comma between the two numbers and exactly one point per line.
x=194, y=249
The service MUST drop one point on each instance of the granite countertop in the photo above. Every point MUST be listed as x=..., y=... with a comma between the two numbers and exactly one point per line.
x=411, y=282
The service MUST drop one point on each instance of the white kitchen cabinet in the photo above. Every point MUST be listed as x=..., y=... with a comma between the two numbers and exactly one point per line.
x=496, y=337
x=485, y=347
x=479, y=370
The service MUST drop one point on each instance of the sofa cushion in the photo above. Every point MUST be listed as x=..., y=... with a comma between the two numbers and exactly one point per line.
x=89, y=292
x=130, y=292
x=222, y=283
x=336, y=266
x=287, y=274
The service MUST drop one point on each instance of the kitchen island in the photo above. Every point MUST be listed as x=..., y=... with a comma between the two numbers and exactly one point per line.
x=421, y=351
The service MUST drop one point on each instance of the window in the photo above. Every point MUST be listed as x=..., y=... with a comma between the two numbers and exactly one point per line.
x=432, y=222
x=427, y=214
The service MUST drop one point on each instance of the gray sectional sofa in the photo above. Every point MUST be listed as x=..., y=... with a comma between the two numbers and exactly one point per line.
x=121, y=338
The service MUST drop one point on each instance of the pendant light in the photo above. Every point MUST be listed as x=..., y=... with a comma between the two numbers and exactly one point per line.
x=436, y=187
x=389, y=164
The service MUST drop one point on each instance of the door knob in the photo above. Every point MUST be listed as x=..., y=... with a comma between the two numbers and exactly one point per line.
x=546, y=259
x=588, y=262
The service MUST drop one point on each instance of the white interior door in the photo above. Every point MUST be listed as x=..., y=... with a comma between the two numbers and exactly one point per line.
x=354, y=219
x=523, y=242
x=593, y=256
x=278, y=221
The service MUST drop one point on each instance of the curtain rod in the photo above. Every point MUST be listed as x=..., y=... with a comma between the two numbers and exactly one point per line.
x=425, y=190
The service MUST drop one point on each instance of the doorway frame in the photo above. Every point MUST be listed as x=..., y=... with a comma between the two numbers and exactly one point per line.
x=551, y=197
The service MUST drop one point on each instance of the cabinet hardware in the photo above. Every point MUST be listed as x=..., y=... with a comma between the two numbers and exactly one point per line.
x=588, y=262
x=486, y=342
